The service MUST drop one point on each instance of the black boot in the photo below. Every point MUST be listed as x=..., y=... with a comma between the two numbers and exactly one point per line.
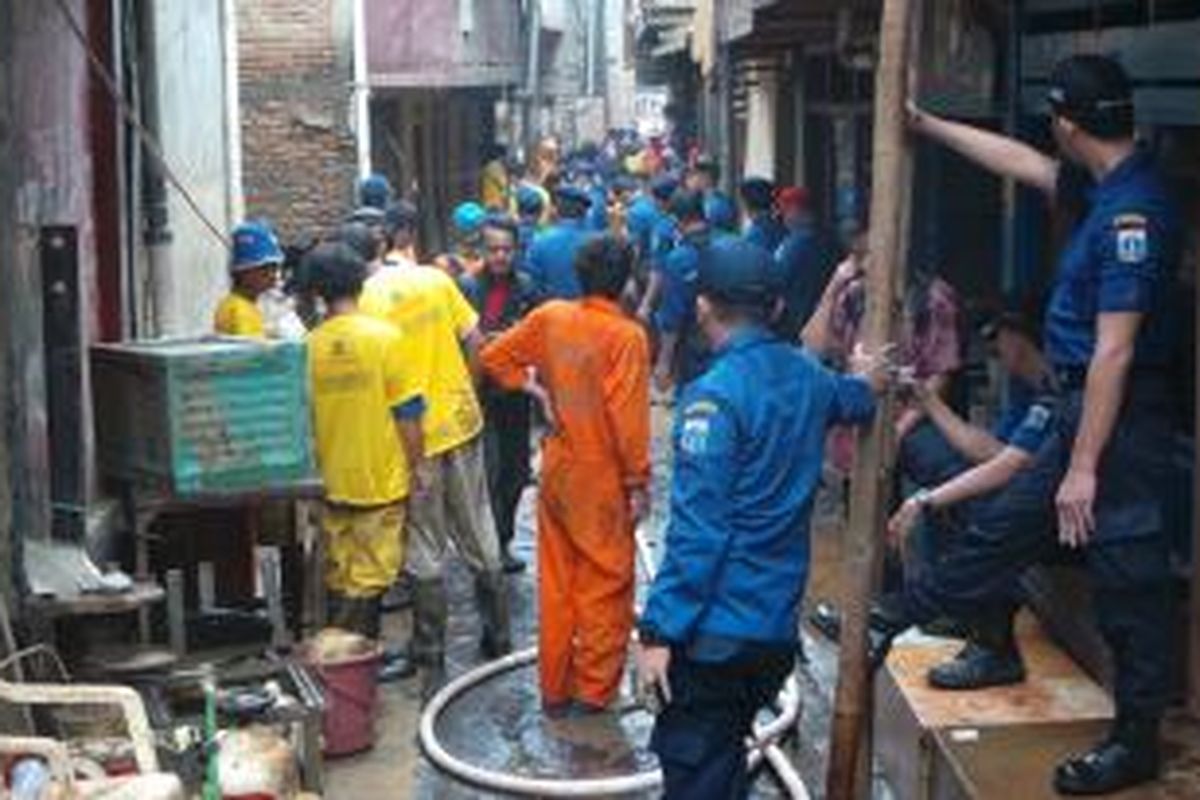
x=491, y=593
x=428, y=647
x=1128, y=757
x=886, y=621
x=991, y=658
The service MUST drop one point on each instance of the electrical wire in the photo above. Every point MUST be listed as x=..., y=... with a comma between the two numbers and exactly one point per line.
x=132, y=117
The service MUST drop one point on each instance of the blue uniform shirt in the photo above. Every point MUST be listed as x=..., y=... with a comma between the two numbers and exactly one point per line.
x=720, y=211
x=749, y=442
x=677, y=303
x=1121, y=258
x=597, y=213
x=1025, y=421
x=766, y=231
x=551, y=261
x=663, y=238
x=641, y=219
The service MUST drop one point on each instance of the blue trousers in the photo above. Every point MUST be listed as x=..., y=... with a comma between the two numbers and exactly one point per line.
x=700, y=737
x=1127, y=558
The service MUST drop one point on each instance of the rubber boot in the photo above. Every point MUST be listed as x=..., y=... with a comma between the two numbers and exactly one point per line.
x=1128, y=757
x=428, y=648
x=886, y=621
x=991, y=658
x=491, y=594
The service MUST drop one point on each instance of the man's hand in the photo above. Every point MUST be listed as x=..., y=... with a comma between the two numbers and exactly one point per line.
x=639, y=504
x=421, y=481
x=900, y=526
x=913, y=116
x=849, y=269
x=653, y=688
x=876, y=367
x=535, y=389
x=1076, y=501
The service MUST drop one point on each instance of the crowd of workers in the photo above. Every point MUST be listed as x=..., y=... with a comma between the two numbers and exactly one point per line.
x=573, y=295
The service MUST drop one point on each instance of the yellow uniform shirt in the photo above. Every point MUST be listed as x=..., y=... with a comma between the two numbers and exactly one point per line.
x=239, y=316
x=432, y=314
x=360, y=376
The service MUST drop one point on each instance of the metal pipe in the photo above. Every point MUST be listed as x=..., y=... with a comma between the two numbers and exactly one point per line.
x=362, y=91
x=157, y=231
x=533, y=77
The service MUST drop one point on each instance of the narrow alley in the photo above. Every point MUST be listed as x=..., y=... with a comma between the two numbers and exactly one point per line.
x=695, y=399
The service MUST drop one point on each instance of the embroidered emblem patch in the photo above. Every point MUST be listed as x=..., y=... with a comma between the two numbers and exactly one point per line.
x=694, y=438
x=1132, y=240
x=1037, y=417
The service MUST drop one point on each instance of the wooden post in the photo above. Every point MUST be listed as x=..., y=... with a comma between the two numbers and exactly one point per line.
x=1193, y=688
x=890, y=181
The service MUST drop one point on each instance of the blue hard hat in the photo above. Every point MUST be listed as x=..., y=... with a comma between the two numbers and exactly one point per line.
x=254, y=245
x=375, y=191
x=736, y=270
x=529, y=200
x=468, y=217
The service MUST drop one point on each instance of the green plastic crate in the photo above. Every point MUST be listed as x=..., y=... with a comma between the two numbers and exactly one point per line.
x=203, y=416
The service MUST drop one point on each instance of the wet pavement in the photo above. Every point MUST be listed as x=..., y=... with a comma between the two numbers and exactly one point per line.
x=499, y=725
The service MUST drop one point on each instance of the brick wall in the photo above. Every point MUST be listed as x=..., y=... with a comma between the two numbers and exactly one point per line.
x=299, y=157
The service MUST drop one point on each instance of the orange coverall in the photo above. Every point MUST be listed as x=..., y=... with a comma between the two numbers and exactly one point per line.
x=595, y=364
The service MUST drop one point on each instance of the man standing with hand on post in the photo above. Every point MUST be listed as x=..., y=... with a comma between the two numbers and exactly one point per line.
x=718, y=635
x=1108, y=339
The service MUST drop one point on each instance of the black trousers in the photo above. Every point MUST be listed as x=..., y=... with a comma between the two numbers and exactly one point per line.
x=1127, y=558
x=507, y=453
x=700, y=736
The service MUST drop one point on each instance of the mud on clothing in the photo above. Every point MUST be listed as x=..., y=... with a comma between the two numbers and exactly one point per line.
x=595, y=363
x=434, y=317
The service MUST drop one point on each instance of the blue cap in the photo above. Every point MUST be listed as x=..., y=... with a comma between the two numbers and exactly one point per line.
x=573, y=197
x=759, y=193
x=720, y=211
x=530, y=200
x=254, y=245
x=375, y=191
x=468, y=217
x=664, y=186
x=738, y=271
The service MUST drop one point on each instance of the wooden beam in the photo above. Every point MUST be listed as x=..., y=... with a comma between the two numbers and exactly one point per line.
x=890, y=180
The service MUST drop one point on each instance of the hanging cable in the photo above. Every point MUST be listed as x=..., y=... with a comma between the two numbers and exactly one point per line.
x=132, y=117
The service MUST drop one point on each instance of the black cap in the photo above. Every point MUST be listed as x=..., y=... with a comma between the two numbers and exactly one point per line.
x=759, y=193
x=737, y=271
x=1094, y=92
x=663, y=187
x=400, y=216
x=571, y=200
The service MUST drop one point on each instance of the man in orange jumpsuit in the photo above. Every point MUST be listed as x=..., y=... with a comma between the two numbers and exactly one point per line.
x=594, y=365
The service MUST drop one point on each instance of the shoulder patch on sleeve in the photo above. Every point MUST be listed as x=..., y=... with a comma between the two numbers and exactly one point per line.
x=697, y=427
x=1132, y=238
x=1038, y=417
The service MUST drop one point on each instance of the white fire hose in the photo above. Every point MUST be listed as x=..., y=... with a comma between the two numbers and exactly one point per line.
x=762, y=745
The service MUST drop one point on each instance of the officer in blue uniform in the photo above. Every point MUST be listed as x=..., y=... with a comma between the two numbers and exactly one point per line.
x=1108, y=337
x=551, y=261
x=530, y=207
x=682, y=352
x=664, y=235
x=804, y=261
x=718, y=634
x=763, y=226
x=719, y=209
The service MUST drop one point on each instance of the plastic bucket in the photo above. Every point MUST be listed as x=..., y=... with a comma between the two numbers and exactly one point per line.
x=351, y=701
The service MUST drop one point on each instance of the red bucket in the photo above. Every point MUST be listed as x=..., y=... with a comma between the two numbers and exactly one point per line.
x=351, y=701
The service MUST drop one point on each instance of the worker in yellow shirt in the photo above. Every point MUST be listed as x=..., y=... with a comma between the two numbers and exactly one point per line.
x=253, y=269
x=367, y=407
x=454, y=507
